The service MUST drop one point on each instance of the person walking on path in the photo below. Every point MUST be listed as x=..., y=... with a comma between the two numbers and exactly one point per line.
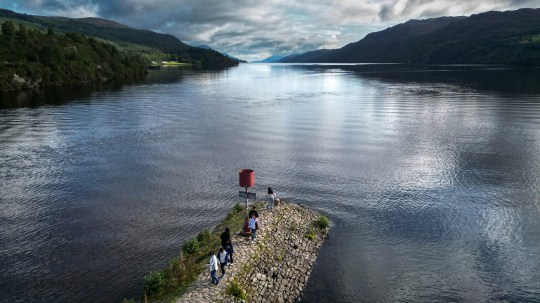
x=271, y=197
x=213, y=267
x=230, y=250
x=253, y=225
x=225, y=236
x=222, y=258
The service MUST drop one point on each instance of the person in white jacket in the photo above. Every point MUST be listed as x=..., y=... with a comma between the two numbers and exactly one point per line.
x=270, y=198
x=222, y=257
x=213, y=267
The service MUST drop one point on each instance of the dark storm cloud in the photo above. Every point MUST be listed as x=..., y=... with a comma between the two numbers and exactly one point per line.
x=252, y=29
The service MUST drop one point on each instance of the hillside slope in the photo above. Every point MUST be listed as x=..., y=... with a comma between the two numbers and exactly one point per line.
x=31, y=58
x=161, y=46
x=511, y=37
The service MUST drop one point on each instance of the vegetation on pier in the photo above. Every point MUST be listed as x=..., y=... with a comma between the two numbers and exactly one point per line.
x=169, y=283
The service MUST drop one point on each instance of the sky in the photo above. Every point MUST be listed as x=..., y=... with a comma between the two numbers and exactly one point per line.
x=255, y=29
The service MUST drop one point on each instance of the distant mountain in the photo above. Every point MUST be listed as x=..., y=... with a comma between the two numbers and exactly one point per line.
x=224, y=54
x=102, y=22
x=204, y=46
x=511, y=37
x=271, y=59
x=154, y=46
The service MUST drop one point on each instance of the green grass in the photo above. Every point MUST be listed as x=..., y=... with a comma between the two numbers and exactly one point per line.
x=168, y=284
x=322, y=222
x=310, y=235
x=530, y=39
x=174, y=63
x=234, y=290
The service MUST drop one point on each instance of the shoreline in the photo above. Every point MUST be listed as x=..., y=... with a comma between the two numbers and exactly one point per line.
x=275, y=268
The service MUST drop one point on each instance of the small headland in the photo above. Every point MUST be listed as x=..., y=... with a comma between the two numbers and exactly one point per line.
x=158, y=65
x=274, y=268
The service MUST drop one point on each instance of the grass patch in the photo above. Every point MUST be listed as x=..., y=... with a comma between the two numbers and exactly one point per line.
x=322, y=222
x=204, y=235
x=234, y=290
x=530, y=39
x=238, y=208
x=174, y=63
x=310, y=235
x=191, y=246
x=153, y=282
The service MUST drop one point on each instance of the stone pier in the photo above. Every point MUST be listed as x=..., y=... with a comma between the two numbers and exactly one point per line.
x=273, y=269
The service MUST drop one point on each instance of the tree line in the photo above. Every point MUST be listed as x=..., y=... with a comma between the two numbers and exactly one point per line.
x=34, y=58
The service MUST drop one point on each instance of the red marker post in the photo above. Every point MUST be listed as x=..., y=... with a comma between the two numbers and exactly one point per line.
x=247, y=179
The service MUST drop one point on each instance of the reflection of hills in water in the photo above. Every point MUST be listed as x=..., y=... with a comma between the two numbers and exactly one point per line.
x=53, y=95
x=490, y=78
x=65, y=94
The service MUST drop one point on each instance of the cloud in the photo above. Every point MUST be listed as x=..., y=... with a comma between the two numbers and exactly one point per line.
x=402, y=10
x=252, y=28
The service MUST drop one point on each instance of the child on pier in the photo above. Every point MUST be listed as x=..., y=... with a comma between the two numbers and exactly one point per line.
x=253, y=212
x=253, y=225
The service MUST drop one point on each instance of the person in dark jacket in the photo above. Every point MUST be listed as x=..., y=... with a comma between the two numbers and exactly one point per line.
x=225, y=236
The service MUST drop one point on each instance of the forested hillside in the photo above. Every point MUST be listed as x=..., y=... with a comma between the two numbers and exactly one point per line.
x=32, y=58
x=151, y=45
x=511, y=37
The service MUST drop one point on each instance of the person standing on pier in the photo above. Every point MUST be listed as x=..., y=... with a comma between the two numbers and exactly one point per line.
x=213, y=267
x=271, y=197
x=253, y=225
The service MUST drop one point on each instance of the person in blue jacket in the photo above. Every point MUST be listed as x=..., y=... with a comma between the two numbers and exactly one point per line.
x=230, y=250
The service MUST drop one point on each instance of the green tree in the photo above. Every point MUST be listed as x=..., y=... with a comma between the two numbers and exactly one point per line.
x=52, y=55
x=8, y=29
x=22, y=34
x=60, y=59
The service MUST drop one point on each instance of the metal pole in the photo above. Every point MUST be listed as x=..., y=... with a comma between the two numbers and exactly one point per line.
x=246, y=223
x=247, y=204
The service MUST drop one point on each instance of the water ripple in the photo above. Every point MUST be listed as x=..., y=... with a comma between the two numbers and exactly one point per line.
x=432, y=183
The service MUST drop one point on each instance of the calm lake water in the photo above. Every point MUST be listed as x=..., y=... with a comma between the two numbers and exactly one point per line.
x=430, y=176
